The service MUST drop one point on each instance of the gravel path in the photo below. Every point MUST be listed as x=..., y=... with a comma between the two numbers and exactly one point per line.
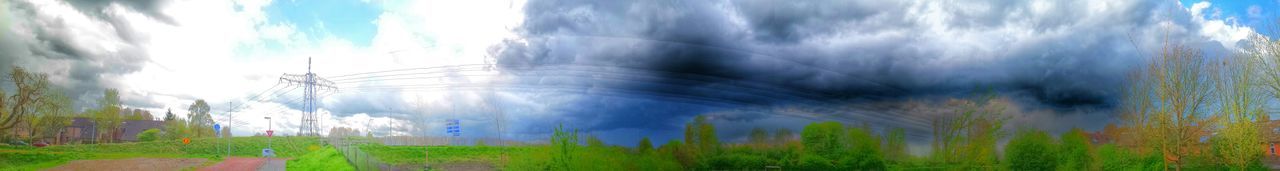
x=134, y=164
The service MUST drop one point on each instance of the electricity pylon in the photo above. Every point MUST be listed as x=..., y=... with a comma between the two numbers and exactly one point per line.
x=311, y=84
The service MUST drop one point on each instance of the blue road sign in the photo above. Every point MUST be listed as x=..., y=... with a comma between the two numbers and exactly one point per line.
x=217, y=129
x=453, y=127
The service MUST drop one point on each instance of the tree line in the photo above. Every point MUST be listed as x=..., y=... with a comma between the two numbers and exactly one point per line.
x=1182, y=109
x=33, y=110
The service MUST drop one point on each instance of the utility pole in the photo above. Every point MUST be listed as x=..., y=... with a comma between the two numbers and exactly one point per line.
x=310, y=84
x=228, y=128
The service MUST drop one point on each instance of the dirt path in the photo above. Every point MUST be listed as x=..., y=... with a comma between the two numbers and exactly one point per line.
x=134, y=164
x=237, y=164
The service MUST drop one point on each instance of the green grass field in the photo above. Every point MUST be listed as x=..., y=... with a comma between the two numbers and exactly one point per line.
x=441, y=154
x=31, y=158
x=326, y=158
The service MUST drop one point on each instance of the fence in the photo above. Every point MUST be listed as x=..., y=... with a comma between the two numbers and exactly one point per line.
x=350, y=150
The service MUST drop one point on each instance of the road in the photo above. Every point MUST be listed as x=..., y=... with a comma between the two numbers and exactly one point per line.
x=274, y=164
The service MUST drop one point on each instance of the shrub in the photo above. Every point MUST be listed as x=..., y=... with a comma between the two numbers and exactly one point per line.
x=825, y=139
x=1031, y=150
x=149, y=135
x=1075, y=151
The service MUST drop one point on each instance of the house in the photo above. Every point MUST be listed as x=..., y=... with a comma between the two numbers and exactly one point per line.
x=81, y=130
x=130, y=129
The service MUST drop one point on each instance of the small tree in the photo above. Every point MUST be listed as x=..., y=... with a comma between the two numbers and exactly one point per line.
x=1031, y=149
x=826, y=139
x=1076, y=151
x=895, y=148
x=563, y=146
x=645, y=146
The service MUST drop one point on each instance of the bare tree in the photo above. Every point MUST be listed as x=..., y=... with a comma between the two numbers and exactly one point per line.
x=30, y=88
x=1165, y=103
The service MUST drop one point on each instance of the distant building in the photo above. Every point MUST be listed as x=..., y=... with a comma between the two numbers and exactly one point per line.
x=82, y=130
x=130, y=129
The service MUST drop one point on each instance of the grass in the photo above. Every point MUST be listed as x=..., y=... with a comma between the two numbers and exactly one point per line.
x=31, y=158
x=399, y=155
x=326, y=158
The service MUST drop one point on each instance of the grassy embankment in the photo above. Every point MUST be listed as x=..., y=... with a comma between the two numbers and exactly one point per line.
x=31, y=158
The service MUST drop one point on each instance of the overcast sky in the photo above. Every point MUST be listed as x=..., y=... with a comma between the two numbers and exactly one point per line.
x=619, y=70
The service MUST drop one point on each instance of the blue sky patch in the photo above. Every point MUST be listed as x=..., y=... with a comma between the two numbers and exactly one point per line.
x=350, y=20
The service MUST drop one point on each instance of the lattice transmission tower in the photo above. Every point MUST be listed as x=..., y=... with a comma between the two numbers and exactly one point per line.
x=311, y=85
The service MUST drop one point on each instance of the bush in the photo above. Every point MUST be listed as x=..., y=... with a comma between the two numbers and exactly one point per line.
x=735, y=162
x=1031, y=150
x=826, y=139
x=149, y=135
x=1075, y=151
x=813, y=162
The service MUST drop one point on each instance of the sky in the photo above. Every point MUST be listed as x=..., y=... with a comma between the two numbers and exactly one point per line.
x=619, y=70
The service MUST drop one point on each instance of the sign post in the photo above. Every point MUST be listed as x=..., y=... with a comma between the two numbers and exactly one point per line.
x=453, y=128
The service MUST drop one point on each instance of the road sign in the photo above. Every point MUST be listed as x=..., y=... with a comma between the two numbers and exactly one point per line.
x=267, y=152
x=453, y=127
x=217, y=130
x=269, y=133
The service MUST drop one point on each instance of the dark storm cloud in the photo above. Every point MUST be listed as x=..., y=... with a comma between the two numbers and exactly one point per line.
x=97, y=8
x=83, y=57
x=1058, y=55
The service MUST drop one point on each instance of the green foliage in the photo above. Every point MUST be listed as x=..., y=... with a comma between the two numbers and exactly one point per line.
x=968, y=137
x=1075, y=153
x=826, y=139
x=199, y=123
x=1031, y=149
x=149, y=135
x=327, y=158
x=845, y=148
x=864, y=151
x=564, y=153
x=700, y=135
x=895, y=148
x=645, y=146
x=563, y=146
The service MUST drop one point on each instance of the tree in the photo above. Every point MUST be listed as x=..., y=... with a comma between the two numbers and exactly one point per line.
x=176, y=129
x=168, y=115
x=645, y=146
x=1240, y=110
x=864, y=151
x=701, y=135
x=1031, y=149
x=200, y=122
x=825, y=139
x=30, y=88
x=107, y=116
x=968, y=135
x=758, y=137
x=1076, y=151
x=782, y=136
x=564, y=144
x=1165, y=102
x=895, y=148
x=54, y=114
